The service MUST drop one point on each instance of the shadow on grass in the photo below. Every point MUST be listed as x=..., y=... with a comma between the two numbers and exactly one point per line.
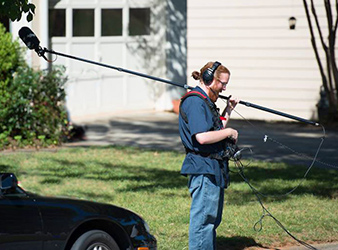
x=5, y=168
x=236, y=243
x=278, y=179
x=138, y=178
x=94, y=196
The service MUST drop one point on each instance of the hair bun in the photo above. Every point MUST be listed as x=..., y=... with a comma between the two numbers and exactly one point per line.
x=196, y=75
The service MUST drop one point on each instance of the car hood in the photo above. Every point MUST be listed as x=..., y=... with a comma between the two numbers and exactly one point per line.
x=85, y=207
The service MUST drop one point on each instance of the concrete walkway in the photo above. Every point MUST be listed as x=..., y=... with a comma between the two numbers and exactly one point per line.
x=284, y=142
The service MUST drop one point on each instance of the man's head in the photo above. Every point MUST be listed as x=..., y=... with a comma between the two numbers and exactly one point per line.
x=214, y=76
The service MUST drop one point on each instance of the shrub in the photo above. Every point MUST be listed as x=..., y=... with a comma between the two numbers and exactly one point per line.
x=10, y=60
x=32, y=103
x=10, y=56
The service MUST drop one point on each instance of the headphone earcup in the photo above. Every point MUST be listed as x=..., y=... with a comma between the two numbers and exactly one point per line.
x=208, y=75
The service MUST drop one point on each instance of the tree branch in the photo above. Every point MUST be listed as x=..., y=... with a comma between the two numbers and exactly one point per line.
x=336, y=22
x=333, y=52
x=328, y=53
x=313, y=9
x=314, y=46
x=328, y=10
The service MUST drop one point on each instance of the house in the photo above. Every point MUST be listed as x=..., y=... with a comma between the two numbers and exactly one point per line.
x=271, y=64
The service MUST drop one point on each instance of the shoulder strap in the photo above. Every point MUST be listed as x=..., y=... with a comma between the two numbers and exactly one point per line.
x=216, y=119
x=191, y=93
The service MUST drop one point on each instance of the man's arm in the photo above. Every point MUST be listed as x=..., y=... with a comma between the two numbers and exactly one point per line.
x=216, y=136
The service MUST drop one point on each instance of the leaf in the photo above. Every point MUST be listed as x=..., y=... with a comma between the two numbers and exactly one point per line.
x=25, y=7
x=32, y=7
x=29, y=17
x=18, y=137
x=19, y=16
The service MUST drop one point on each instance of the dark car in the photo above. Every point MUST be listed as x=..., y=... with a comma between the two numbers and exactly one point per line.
x=33, y=222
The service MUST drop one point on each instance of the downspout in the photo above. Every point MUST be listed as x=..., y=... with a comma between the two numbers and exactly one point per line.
x=44, y=22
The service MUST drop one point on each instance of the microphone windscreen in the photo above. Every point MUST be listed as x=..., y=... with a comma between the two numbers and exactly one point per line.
x=29, y=38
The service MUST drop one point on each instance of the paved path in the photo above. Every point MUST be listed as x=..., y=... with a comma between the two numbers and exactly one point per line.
x=286, y=142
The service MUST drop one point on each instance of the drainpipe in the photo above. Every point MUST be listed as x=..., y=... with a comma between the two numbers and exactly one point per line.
x=44, y=20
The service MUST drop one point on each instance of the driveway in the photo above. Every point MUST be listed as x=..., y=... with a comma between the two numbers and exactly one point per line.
x=293, y=143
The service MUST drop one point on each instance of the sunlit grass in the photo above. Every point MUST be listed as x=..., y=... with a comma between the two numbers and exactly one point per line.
x=149, y=183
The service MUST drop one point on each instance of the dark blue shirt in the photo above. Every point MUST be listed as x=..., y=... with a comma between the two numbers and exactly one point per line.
x=200, y=119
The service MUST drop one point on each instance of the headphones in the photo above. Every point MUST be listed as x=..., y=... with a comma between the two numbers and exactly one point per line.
x=208, y=75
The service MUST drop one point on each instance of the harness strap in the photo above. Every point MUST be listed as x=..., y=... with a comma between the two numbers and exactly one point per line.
x=216, y=117
x=191, y=93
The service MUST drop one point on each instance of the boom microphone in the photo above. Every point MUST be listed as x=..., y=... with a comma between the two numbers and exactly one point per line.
x=32, y=42
x=29, y=38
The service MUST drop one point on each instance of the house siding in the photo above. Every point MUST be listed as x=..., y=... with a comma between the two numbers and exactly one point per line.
x=270, y=64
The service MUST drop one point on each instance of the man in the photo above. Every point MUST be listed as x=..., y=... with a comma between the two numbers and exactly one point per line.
x=203, y=133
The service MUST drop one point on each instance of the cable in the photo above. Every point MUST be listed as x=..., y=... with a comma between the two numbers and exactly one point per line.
x=300, y=183
x=265, y=211
x=266, y=137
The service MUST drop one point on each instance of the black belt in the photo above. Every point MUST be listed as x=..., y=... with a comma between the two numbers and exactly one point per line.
x=205, y=154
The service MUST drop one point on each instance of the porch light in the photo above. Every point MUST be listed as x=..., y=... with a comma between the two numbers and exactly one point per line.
x=292, y=23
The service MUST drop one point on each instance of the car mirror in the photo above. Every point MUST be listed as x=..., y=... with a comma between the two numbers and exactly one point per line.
x=8, y=181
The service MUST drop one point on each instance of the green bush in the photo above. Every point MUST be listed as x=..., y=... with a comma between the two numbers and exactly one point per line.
x=10, y=60
x=32, y=103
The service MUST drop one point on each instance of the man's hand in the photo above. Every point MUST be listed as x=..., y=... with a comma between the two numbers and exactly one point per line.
x=232, y=102
x=233, y=134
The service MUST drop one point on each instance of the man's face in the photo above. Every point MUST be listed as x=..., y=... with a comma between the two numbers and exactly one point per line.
x=218, y=85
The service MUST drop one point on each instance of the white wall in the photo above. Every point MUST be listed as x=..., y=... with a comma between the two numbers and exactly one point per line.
x=270, y=64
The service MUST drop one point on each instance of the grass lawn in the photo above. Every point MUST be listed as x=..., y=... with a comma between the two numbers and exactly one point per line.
x=149, y=183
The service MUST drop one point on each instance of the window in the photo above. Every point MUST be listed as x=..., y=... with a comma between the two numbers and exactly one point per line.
x=57, y=22
x=111, y=22
x=83, y=22
x=139, y=21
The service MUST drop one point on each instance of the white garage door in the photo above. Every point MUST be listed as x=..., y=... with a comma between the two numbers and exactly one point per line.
x=127, y=34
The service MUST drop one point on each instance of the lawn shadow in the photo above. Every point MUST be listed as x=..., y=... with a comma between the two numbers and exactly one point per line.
x=236, y=243
x=279, y=179
x=5, y=168
x=138, y=178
